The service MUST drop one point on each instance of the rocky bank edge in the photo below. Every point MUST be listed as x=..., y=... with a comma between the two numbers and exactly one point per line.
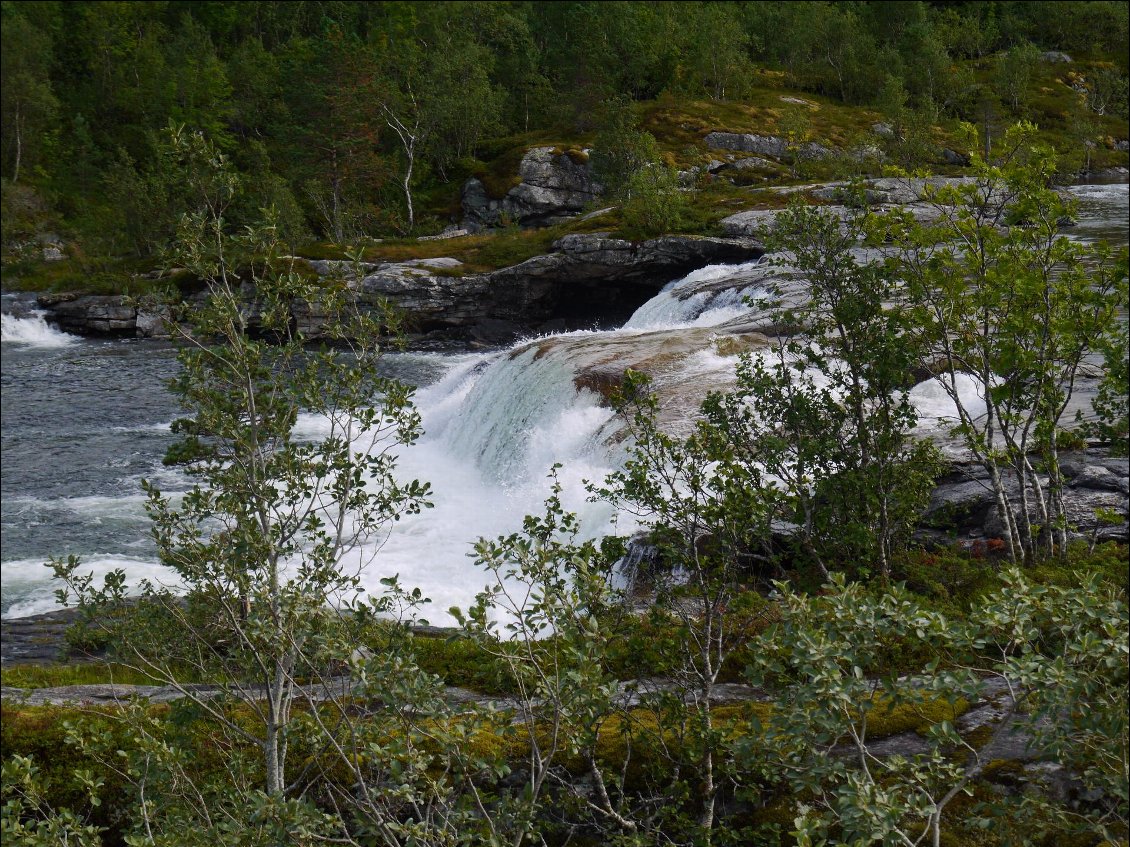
x=587, y=278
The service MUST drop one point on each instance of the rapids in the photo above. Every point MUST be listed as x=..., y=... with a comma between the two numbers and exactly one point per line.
x=84, y=420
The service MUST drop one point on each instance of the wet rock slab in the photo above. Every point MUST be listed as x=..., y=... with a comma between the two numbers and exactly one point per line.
x=36, y=639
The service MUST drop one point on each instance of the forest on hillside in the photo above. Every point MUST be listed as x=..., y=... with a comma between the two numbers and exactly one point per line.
x=336, y=112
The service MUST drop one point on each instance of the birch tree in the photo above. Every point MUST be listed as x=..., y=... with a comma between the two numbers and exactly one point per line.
x=1008, y=307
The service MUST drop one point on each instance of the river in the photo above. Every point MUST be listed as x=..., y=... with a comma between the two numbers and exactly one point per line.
x=84, y=420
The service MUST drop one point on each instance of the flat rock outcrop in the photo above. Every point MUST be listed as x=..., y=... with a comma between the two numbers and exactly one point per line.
x=585, y=278
x=91, y=314
x=764, y=145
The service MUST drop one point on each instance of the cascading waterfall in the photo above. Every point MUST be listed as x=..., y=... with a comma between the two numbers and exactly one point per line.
x=495, y=423
x=498, y=422
x=519, y=406
x=32, y=330
x=706, y=297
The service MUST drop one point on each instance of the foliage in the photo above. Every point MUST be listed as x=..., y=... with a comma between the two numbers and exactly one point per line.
x=1064, y=648
x=654, y=204
x=825, y=649
x=827, y=413
x=260, y=543
x=27, y=821
x=1006, y=310
x=1014, y=75
x=353, y=119
x=621, y=149
x=710, y=518
x=1032, y=639
x=544, y=617
x=1112, y=402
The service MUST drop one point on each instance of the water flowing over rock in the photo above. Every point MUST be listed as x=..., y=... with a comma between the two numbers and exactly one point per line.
x=496, y=420
x=554, y=186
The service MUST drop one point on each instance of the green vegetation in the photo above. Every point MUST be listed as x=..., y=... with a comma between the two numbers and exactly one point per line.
x=53, y=676
x=343, y=117
x=218, y=139
x=1016, y=312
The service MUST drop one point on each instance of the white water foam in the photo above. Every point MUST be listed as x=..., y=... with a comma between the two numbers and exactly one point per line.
x=33, y=331
x=494, y=426
x=28, y=578
x=935, y=405
x=674, y=307
x=495, y=423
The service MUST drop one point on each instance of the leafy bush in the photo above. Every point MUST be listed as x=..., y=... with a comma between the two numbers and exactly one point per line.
x=655, y=204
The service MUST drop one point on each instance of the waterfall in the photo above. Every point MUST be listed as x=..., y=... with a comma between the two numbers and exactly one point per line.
x=707, y=297
x=33, y=331
x=522, y=414
x=495, y=424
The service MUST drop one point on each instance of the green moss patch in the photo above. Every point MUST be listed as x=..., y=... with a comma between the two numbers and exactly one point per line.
x=86, y=673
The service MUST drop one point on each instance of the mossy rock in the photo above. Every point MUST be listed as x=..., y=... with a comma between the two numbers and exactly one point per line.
x=886, y=719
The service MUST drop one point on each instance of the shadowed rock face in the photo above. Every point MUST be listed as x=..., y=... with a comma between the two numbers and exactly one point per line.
x=963, y=501
x=588, y=279
x=90, y=314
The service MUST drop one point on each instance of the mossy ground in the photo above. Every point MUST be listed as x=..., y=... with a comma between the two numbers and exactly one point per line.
x=640, y=744
x=61, y=674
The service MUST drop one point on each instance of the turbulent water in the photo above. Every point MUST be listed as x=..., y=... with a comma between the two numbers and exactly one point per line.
x=83, y=421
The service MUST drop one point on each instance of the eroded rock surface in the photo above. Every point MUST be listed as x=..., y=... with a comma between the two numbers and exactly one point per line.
x=963, y=503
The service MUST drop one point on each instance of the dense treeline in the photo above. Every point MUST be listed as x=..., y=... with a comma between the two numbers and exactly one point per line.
x=335, y=111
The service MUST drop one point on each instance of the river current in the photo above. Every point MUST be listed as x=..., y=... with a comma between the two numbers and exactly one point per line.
x=84, y=420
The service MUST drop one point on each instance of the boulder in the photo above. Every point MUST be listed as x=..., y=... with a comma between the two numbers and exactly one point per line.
x=555, y=185
x=478, y=207
x=1118, y=173
x=336, y=267
x=952, y=157
x=151, y=322
x=762, y=145
x=1055, y=57
x=813, y=150
x=495, y=333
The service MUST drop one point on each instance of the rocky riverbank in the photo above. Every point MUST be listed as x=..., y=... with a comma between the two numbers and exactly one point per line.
x=1097, y=499
x=587, y=279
